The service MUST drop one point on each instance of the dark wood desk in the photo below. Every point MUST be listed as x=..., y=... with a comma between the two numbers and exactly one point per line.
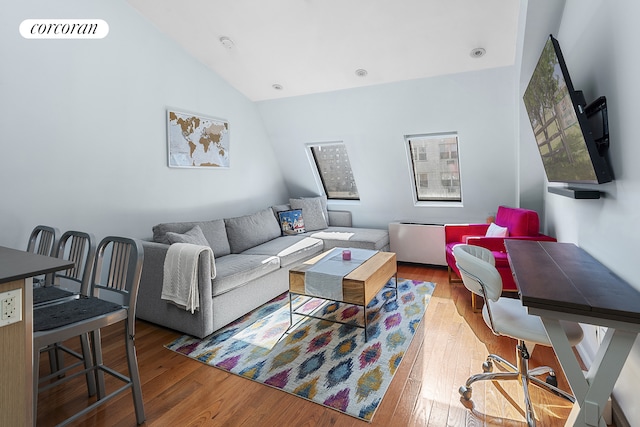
x=560, y=281
x=17, y=269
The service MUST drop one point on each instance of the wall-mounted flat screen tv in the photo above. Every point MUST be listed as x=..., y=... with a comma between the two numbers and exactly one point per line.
x=562, y=123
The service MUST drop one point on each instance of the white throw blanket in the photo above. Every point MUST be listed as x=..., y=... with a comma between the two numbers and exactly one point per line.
x=180, y=281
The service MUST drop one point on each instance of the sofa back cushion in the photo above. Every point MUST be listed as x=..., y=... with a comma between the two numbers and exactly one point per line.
x=280, y=208
x=313, y=212
x=214, y=231
x=520, y=222
x=193, y=236
x=247, y=231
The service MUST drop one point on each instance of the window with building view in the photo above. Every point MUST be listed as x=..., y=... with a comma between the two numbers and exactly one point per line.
x=334, y=170
x=435, y=167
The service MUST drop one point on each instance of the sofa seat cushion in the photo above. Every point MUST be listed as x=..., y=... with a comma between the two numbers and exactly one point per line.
x=501, y=259
x=247, y=231
x=350, y=237
x=214, y=231
x=235, y=270
x=290, y=249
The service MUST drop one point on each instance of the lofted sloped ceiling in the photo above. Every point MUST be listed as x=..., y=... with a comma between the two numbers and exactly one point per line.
x=282, y=48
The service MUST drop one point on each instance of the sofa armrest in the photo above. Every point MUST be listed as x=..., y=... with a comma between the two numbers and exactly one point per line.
x=152, y=308
x=340, y=218
x=454, y=233
x=496, y=244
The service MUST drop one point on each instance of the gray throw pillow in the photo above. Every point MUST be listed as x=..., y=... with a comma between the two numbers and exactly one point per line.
x=214, y=231
x=193, y=236
x=247, y=231
x=323, y=203
x=312, y=212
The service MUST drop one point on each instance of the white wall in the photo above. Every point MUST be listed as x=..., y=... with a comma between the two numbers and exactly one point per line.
x=542, y=18
x=372, y=122
x=599, y=42
x=83, y=130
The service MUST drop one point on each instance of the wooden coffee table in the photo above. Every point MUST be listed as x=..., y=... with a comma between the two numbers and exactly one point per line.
x=358, y=287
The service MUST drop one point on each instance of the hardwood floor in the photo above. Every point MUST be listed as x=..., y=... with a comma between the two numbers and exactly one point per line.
x=451, y=344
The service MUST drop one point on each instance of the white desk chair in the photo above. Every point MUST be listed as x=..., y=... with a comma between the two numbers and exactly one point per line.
x=507, y=316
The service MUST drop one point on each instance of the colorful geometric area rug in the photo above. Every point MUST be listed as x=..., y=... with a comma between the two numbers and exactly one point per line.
x=319, y=360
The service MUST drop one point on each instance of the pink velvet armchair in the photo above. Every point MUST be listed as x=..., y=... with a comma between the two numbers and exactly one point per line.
x=520, y=224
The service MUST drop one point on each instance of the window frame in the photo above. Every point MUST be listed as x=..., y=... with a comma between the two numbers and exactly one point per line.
x=437, y=174
x=320, y=179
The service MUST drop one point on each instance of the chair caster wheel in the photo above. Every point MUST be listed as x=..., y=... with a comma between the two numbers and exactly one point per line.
x=487, y=366
x=551, y=380
x=465, y=392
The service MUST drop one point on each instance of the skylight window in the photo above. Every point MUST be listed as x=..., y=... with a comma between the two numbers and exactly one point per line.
x=435, y=167
x=334, y=170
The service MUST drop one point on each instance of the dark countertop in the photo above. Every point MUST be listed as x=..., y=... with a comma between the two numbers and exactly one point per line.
x=563, y=277
x=16, y=265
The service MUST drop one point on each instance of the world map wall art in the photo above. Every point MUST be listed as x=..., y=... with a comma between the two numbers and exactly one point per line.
x=197, y=141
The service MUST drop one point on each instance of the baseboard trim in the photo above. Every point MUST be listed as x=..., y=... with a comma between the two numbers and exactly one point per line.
x=619, y=420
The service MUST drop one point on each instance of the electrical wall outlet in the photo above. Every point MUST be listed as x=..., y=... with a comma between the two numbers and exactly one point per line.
x=10, y=307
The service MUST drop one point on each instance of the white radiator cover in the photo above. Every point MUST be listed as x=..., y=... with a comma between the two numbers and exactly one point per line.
x=419, y=243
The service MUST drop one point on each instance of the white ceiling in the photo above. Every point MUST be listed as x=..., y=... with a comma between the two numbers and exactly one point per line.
x=312, y=46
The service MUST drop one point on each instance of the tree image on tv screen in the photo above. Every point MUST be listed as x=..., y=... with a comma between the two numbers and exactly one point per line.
x=554, y=122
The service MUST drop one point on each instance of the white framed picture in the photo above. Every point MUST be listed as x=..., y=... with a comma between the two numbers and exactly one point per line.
x=197, y=141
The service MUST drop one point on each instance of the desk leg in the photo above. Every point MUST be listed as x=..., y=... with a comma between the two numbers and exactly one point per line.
x=566, y=357
x=592, y=392
x=606, y=367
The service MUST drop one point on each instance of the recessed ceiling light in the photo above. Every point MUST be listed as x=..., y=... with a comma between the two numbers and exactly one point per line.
x=360, y=72
x=227, y=42
x=477, y=52
x=277, y=86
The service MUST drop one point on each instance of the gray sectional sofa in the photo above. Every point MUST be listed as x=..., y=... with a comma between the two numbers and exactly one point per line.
x=252, y=259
